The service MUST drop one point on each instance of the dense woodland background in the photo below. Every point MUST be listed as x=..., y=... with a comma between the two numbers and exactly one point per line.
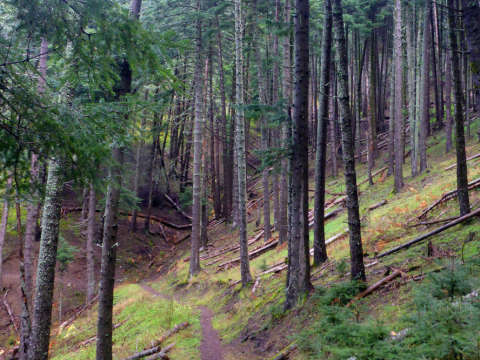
x=197, y=128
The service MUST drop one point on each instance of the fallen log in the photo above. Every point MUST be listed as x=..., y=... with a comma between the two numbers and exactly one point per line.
x=252, y=254
x=168, y=334
x=10, y=312
x=377, y=205
x=183, y=239
x=92, y=339
x=327, y=216
x=375, y=286
x=159, y=353
x=285, y=353
x=275, y=270
x=435, y=221
x=177, y=207
x=373, y=175
x=255, y=286
x=448, y=196
x=430, y=234
x=468, y=159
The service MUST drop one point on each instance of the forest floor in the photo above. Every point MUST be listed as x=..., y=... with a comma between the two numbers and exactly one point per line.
x=229, y=322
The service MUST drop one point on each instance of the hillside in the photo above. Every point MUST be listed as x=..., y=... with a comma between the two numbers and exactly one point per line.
x=154, y=292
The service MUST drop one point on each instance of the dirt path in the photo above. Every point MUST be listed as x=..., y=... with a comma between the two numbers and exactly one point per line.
x=211, y=347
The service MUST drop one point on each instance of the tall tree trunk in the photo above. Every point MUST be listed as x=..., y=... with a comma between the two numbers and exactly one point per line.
x=448, y=103
x=373, y=95
x=425, y=100
x=240, y=147
x=462, y=174
x=299, y=257
x=32, y=207
x=227, y=174
x=391, y=123
x=333, y=125
x=398, y=178
x=138, y=164
x=90, y=245
x=319, y=248
x=276, y=133
x=3, y=226
x=411, y=85
x=153, y=167
x=282, y=236
x=439, y=121
x=42, y=313
x=264, y=129
x=109, y=256
x=356, y=251
x=471, y=12
x=197, y=153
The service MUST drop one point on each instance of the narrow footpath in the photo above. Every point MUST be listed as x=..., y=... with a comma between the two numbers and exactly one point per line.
x=211, y=347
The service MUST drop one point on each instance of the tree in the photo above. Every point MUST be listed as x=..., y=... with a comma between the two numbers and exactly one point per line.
x=90, y=244
x=398, y=98
x=3, y=226
x=356, y=251
x=425, y=91
x=42, y=313
x=240, y=146
x=462, y=174
x=320, y=250
x=471, y=13
x=299, y=256
x=197, y=153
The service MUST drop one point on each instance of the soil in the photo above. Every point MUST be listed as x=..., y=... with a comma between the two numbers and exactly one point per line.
x=211, y=347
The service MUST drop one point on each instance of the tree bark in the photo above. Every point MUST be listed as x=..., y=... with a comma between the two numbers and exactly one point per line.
x=462, y=174
x=425, y=100
x=3, y=227
x=356, y=251
x=320, y=250
x=90, y=245
x=264, y=128
x=282, y=236
x=197, y=154
x=448, y=103
x=471, y=12
x=299, y=274
x=42, y=313
x=398, y=178
x=240, y=147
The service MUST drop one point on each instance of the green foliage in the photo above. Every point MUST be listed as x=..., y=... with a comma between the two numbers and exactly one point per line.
x=276, y=311
x=186, y=198
x=342, y=267
x=263, y=265
x=339, y=294
x=65, y=253
x=442, y=322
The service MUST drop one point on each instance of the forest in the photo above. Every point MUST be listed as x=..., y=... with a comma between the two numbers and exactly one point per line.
x=246, y=179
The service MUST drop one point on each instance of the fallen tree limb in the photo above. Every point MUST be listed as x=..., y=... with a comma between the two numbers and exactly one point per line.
x=10, y=312
x=168, y=334
x=375, y=286
x=159, y=353
x=448, y=196
x=255, y=286
x=377, y=205
x=468, y=159
x=430, y=234
x=252, y=254
x=92, y=339
x=435, y=221
x=373, y=175
x=177, y=207
x=275, y=269
x=285, y=353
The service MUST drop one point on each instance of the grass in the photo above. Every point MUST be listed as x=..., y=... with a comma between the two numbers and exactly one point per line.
x=144, y=320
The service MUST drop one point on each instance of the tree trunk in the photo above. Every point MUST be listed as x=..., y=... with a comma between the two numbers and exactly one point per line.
x=439, y=121
x=240, y=147
x=399, y=152
x=425, y=101
x=90, y=245
x=138, y=164
x=462, y=175
x=391, y=122
x=411, y=86
x=356, y=251
x=471, y=12
x=3, y=227
x=448, y=103
x=197, y=154
x=109, y=256
x=282, y=236
x=299, y=257
x=320, y=250
x=42, y=313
